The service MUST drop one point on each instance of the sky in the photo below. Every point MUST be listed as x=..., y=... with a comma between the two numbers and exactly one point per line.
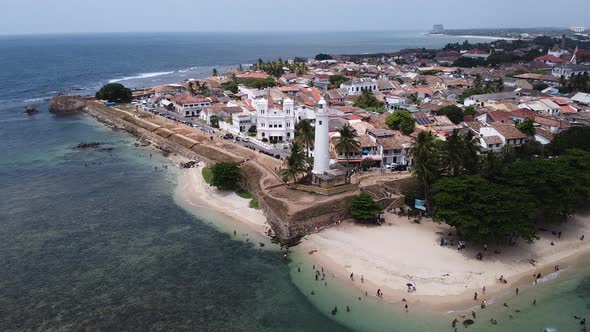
x=78, y=16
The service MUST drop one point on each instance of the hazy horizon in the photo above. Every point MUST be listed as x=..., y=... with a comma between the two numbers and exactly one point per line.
x=26, y=17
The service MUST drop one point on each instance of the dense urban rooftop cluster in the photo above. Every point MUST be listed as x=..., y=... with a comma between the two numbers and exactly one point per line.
x=530, y=92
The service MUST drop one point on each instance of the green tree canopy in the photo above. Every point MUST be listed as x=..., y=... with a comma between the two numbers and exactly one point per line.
x=296, y=163
x=401, y=120
x=347, y=143
x=323, y=56
x=526, y=127
x=557, y=186
x=367, y=99
x=454, y=113
x=336, y=81
x=226, y=176
x=482, y=211
x=115, y=92
x=576, y=137
x=364, y=208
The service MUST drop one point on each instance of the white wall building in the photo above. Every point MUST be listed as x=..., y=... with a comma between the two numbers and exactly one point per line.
x=275, y=121
x=357, y=85
x=190, y=106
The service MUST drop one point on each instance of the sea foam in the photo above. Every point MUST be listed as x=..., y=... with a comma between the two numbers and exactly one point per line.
x=140, y=76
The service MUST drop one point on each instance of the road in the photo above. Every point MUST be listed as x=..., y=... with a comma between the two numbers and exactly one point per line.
x=277, y=151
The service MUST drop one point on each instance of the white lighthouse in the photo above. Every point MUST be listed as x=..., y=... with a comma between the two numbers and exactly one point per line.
x=321, y=155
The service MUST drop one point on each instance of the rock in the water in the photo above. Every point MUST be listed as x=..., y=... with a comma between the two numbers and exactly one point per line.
x=85, y=145
x=63, y=104
x=31, y=109
x=189, y=164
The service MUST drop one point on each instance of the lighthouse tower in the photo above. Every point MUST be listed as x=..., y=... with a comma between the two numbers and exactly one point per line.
x=321, y=155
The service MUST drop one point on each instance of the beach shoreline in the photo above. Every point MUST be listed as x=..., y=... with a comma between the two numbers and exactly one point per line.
x=476, y=36
x=440, y=287
x=227, y=211
x=339, y=254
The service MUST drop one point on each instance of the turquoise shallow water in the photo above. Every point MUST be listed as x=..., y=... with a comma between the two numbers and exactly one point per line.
x=105, y=247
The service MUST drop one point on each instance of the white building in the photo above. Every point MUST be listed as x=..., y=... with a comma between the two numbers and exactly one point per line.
x=357, y=85
x=275, y=120
x=190, y=106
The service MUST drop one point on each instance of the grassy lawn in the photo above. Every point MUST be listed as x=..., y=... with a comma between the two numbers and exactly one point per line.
x=254, y=203
x=244, y=194
x=207, y=175
x=247, y=195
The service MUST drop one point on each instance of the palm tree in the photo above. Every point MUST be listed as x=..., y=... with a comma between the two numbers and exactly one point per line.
x=453, y=154
x=472, y=150
x=305, y=134
x=347, y=143
x=295, y=164
x=425, y=162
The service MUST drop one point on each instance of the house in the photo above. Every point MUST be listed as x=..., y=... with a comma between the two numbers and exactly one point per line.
x=477, y=54
x=556, y=51
x=369, y=149
x=507, y=134
x=543, y=135
x=544, y=107
x=521, y=114
x=394, y=150
x=582, y=98
x=356, y=86
x=550, y=60
x=568, y=69
x=494, y=117
x=190, y=106
x=500, y=96
x=552, y=124
x=335, y=96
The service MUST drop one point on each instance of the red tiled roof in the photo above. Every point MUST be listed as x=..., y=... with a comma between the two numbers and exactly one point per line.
x=523, y=113
x=253, y=75
x=549, y=58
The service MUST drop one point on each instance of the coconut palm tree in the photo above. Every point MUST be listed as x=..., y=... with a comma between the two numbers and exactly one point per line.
x=453, y=154
x=425, y=162
x=472, y=150
x=295, y=164
x=347, y=143
x=305, y=134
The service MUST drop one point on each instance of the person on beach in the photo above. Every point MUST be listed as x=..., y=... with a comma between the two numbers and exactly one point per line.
x=406, y=307
x=352, y=276
x=535, y=302
x=582, y=238
x=483, y=289
x=473, y=314
x=517, y=291
x=379, y=292
x=347, y=309
x=483, y=304
x=362, y=279
x=506, y=305
x=475, y=296
x=493, y=321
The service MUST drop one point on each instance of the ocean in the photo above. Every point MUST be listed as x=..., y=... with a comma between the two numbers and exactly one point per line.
x=92, y=239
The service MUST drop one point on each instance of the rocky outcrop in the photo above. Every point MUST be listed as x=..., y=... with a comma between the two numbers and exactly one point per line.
x=65, y=104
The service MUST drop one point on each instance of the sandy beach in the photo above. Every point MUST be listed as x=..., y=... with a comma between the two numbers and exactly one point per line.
x=196, y=195
x=401, y=252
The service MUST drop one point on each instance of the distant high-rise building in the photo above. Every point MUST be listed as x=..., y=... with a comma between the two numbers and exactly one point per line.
x=438, y=28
